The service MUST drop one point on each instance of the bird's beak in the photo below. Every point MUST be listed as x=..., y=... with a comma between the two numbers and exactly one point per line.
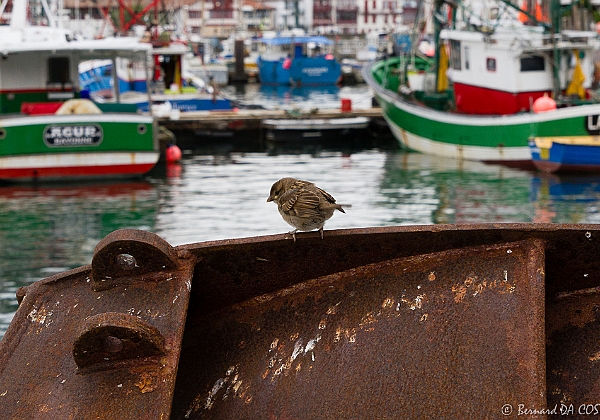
x=269, y=199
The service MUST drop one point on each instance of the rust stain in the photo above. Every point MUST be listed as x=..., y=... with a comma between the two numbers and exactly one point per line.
x=503, y=308
x=147, y=382
x=104, y=330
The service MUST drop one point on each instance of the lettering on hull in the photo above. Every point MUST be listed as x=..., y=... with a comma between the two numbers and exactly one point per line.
x=592, y=125
x=73, y=135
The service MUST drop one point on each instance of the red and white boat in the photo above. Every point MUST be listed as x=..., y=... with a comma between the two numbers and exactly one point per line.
x=483, y=96
x=504, y=73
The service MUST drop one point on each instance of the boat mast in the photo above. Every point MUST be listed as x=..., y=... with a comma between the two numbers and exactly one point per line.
x=115, y=77
x=3, y=6
x=51, y=19
x=18, y=19
x=437, y=29
x=414, y=39
x=555, y=14
x=440, y=19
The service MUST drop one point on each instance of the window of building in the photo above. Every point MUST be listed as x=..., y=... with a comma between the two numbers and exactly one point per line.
x=221, y=14
x=346, y=16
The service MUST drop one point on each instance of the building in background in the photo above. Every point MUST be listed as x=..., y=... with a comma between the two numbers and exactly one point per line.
x=221, y=19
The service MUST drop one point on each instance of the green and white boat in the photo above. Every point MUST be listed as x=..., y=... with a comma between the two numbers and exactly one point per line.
x=491, y=86
x=48, y=128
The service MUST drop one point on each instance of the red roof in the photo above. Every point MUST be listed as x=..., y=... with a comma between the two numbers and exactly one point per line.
x=257, y=5
x=162, y=4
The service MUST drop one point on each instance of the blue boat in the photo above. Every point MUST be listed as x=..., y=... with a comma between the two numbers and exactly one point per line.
x=166, y=81
x=566, y=154
x=298, y=61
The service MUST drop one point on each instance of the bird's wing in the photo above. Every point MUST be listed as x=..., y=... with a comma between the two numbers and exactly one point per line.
x=300, y=202
x=327, y=196
x=299, y=184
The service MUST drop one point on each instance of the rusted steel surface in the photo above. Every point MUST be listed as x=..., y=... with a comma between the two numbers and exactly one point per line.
x=443, y=321
x=455, y=334
x=102, y=341
x=573, y=353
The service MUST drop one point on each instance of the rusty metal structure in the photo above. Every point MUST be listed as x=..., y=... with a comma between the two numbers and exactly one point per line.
x=441, y=321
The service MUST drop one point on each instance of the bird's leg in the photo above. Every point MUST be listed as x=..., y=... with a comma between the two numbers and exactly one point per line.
x=321, y=230
x=293, y=233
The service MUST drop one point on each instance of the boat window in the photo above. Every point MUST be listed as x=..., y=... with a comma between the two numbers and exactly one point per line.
x=455, y=55
x=533, y=63
x=490, y=64
x=58, y=70
x=466, y=57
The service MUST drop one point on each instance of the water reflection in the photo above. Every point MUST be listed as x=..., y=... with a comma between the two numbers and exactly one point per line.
x=220, y=192
x=567, y=198
x=450, y=191
x=50, y=229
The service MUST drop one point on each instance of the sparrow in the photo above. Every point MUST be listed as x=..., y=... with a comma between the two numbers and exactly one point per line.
x=303, y=205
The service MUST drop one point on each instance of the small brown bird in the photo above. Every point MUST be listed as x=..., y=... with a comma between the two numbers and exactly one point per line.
x=303, y=205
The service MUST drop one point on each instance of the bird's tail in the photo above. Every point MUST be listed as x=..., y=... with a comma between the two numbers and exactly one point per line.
x=340, y=207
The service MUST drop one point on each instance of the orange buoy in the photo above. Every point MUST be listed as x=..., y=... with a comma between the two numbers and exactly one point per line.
x=544, y=104
x=173, y=154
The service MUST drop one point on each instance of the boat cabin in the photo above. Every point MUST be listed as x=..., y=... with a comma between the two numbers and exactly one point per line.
x=505, y=72
x=46, y=72
x=297, y=61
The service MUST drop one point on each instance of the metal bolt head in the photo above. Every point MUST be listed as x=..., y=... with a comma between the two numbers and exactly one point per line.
x=126, y=261
x=112, y=344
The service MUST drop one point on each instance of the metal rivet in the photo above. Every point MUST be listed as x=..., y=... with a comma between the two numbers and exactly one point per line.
x=113, y=344
x=126, y=261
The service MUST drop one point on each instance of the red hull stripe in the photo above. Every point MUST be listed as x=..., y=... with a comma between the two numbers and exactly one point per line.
x=35, y=90
x=75, y=171
x=482, y=101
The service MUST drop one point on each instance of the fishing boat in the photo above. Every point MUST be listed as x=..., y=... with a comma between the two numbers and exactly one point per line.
x=566, y=154
x=297, y=61
x=48, y=128
x=170, y=84
x=475, y=96
x=483, y=320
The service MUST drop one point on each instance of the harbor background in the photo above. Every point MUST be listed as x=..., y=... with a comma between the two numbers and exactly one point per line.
x=220, y=187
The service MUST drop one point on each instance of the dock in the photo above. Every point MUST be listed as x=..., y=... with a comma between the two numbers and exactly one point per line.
x=251, y=119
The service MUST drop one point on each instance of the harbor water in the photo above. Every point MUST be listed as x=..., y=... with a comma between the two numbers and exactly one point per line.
x=220, y=193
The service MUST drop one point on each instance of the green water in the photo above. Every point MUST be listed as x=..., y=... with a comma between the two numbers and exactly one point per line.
x=49, y=229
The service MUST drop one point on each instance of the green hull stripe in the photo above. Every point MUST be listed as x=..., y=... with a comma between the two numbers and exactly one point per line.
x=483, y=131
x=116, y=136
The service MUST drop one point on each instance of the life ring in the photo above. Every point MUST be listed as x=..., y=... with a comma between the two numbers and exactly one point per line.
x=78, y=106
